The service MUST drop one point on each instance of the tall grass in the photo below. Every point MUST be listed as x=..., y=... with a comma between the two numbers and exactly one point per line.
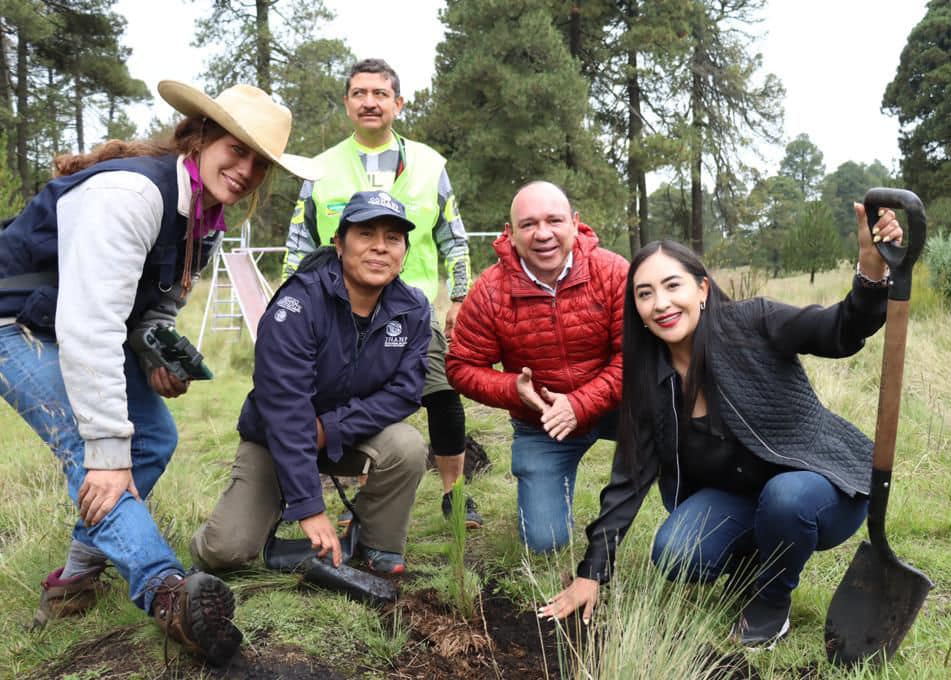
x=460, y=594
x=653, y=628
x=649, y=626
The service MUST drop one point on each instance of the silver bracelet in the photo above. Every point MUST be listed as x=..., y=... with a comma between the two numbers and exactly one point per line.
x=868, y=282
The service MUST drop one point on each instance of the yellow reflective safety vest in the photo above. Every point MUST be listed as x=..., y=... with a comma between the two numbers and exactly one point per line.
x=417, y=187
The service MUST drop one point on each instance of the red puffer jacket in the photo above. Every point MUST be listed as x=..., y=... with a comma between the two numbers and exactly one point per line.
x=572, y=342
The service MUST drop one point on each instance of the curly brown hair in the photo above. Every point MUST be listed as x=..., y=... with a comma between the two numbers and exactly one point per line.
x=189, y=136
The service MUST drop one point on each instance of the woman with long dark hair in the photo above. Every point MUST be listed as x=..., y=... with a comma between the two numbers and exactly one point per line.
x=107, y=248
x=757, y=474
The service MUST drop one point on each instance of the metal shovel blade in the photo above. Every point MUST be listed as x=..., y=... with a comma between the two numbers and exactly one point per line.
x=874, y=606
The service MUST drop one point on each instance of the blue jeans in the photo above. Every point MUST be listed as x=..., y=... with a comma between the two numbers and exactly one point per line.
x=546, y=470
x=796, y=514
x=31, y=382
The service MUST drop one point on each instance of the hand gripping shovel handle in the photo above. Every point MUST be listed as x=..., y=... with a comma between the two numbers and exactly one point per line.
x=901, y=261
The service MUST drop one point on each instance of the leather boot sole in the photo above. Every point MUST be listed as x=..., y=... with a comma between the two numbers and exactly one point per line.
x=210, y=615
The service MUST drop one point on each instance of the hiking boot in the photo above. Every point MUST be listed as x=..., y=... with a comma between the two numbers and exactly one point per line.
x=473, y=519
x=67, y=596
x=762, y=624
x=383, y=562
x=197, y=612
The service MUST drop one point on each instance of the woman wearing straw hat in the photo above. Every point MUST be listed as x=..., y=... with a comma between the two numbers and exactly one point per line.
x=109, y=245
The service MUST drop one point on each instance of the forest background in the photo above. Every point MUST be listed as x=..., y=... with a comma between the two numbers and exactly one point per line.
x=596, y=95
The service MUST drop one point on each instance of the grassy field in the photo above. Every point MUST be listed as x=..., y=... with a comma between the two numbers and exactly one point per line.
x=36, y=519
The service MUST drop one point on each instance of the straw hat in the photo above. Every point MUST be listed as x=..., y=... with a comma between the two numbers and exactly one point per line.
x=249, y=114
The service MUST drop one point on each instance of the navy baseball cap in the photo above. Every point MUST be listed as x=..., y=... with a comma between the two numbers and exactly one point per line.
x=368, y=205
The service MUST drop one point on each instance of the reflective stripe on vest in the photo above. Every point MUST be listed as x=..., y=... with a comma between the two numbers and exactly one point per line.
x=417, y=188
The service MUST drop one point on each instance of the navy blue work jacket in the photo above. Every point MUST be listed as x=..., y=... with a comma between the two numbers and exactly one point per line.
x=307, y=365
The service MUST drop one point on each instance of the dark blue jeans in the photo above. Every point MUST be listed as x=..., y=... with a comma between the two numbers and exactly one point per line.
x=796, y=514
x=546, y=470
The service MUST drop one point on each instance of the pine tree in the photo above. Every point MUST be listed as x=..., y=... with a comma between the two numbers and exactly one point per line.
x=814, y=244
x=919, y=96
x=847, y=184
x=11, y=200
x=626, y=50
x=774, y=205
x=803, y=164
x=727, y=106
x=509, y=105
x=272, y=44
x=60, y=60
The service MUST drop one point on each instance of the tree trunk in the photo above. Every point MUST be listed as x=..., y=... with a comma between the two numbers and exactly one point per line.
x=23, y=166
x=696, y=158
x=812, y=277
x=263, y=40
x=574, y=29
x=56, y=137
x=696, y=203
x=636, y=177
x=78, y=113
x=642, y=207
x=574, y=44
x=6, y=101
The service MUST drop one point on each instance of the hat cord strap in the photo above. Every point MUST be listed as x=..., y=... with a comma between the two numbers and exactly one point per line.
x=190, y=255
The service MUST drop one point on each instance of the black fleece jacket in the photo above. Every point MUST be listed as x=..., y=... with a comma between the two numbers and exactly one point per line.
x=765, y=399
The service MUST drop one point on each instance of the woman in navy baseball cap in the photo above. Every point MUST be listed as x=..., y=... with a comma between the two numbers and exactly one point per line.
x=339, y=363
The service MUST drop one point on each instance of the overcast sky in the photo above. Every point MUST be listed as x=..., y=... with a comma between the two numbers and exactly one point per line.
x=834, y=57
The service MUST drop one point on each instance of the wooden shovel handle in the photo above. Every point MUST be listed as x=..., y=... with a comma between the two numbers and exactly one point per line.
x=889, y=392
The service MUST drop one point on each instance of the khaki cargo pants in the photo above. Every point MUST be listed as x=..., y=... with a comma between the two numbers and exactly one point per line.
x=238, y=527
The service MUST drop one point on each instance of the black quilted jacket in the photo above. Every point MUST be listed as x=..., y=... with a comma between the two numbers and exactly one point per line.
x=764, y=397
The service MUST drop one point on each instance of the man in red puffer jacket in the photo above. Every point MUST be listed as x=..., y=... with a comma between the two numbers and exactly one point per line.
x=552, y=312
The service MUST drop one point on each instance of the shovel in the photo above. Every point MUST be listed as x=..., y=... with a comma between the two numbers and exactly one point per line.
x=879, y=597
x=297, y=555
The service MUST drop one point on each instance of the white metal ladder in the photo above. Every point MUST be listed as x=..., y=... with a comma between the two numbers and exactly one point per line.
x=222, y=307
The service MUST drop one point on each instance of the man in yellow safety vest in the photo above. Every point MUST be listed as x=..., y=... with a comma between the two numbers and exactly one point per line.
x=376, y=157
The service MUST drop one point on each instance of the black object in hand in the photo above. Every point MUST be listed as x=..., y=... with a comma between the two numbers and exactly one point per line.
x=163, y=346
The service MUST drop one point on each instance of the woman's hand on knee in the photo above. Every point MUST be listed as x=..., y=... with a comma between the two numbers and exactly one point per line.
x=582, y=593
x=101, y=490
x=323, y=536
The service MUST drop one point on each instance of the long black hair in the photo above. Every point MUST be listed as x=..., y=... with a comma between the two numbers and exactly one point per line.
x=641, y=348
